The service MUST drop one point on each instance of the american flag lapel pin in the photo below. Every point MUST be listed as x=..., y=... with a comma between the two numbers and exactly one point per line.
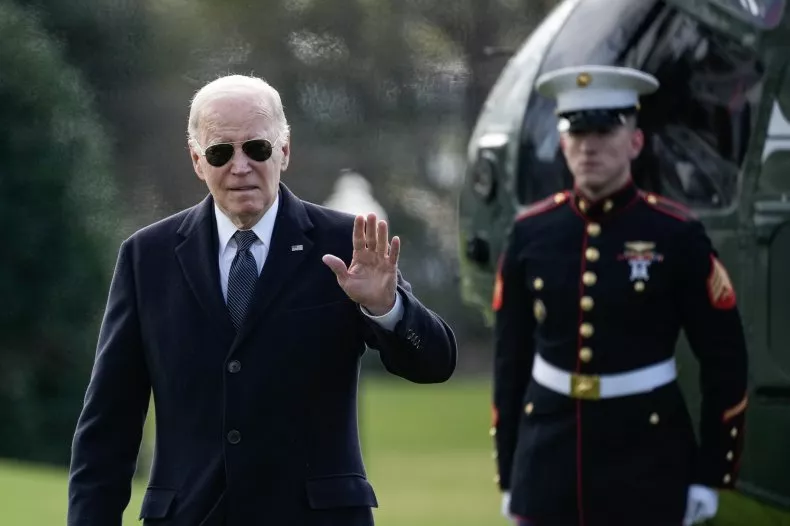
x=297, y=248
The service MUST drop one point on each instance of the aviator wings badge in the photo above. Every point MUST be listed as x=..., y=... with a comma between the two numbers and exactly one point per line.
x=640, y=255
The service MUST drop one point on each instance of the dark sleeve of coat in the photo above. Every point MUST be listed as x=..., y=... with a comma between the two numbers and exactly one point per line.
x=110, y=427
x=513, y=352
x=422, y=347
x=715, y=333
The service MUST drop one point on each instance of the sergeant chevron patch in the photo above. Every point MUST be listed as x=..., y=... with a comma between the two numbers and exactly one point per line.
x=496, y=301
x=720, y=290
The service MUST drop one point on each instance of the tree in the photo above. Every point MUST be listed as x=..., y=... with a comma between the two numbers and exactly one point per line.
x=55, y=202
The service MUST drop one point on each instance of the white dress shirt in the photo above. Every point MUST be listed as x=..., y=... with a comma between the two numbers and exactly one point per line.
x=260, y=250
x=227, y=245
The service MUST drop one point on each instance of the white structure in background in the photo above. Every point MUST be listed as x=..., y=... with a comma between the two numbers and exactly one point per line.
x=352, y=194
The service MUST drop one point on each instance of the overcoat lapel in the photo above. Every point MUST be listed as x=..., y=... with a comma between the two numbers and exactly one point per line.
x=197, y=254
x=290, y=246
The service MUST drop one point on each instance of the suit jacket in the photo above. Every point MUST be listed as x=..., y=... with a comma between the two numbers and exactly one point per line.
x=255, y=427
x=604, y=288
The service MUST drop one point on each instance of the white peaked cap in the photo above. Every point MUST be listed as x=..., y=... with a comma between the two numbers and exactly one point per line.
x=595, y=87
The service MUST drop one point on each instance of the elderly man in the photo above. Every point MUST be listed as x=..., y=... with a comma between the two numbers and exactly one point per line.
x=246, y=317
x=594, y=287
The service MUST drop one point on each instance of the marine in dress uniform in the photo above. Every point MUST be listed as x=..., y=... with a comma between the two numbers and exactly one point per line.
x=589, y=423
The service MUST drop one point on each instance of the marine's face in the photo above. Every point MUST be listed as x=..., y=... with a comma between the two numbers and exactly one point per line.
x=243, y=188
x=599, y=160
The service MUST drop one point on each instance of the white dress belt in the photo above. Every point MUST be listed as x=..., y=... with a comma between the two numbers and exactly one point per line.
x=594, y=387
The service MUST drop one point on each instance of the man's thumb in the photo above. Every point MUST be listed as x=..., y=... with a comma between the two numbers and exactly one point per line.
x=336, y=265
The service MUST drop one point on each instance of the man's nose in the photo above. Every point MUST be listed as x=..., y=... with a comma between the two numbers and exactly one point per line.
x=589, y=143
x=239, y=163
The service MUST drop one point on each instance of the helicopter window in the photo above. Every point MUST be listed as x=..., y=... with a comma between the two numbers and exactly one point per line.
x=697, y=124
x=766, y=14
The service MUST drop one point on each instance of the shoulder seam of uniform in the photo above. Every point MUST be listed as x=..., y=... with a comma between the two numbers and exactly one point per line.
x=667, y=206
x=544, y=205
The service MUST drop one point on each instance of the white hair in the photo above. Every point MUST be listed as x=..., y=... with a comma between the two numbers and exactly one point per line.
x=269, y=102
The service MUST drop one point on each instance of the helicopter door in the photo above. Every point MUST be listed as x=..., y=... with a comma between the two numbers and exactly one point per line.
x=769, y=411
x=772, y=229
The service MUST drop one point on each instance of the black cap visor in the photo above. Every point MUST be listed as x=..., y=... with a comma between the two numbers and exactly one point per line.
x=593, y=121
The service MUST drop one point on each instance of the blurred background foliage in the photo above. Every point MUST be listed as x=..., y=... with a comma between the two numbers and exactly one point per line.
x=94, y=97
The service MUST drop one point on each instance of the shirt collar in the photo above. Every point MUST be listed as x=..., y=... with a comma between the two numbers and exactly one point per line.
x=263, y=228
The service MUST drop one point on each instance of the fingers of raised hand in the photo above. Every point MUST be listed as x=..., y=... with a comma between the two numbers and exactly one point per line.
x=373, y=235
x=358, y=235
x=370, y=232
x=382, y=238
x=394, y=250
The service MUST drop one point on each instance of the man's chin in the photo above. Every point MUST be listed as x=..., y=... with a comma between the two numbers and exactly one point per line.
x=593, y=181
x=246, y=214
x=246, y=202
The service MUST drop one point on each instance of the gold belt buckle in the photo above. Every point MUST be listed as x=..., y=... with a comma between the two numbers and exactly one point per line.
x=585, y=387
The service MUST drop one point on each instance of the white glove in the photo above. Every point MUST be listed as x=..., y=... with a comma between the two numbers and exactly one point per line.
x=702, y=504
x=505, y=509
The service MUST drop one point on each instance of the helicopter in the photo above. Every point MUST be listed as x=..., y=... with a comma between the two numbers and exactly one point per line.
x=717, y=141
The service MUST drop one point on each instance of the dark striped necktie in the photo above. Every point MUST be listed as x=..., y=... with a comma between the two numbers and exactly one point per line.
x=242, y=277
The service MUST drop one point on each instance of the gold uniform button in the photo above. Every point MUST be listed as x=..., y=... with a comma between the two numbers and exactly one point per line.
x=585, y=354
x=528, y=408
x=727, y=478
x=583, y=206
x=539, y=309
x=592, y=254
x=608, y=205
x=589, y=278
x=492, y=431
x=594, y=229
x=586, y=330
x=586, y=303
x=654, y=419
x=730, y=455
x=734, y=432
x=639, y=286
x=559, y=198
x=538, y=284
x=652, y=199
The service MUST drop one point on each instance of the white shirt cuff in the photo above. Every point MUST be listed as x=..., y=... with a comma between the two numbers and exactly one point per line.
x=390, y=319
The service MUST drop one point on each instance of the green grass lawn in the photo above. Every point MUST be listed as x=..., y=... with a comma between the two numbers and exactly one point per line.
x=428, y=456
x=426, y=447
x=428, y=453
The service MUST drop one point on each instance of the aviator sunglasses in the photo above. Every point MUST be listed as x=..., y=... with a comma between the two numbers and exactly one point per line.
x=219, y=154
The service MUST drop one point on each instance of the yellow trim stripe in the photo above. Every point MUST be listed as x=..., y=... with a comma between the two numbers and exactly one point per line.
x=731, y=413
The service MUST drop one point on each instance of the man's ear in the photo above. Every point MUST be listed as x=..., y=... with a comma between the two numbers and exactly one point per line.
x=286, y=155
x=196, y=164
x=637, y=143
